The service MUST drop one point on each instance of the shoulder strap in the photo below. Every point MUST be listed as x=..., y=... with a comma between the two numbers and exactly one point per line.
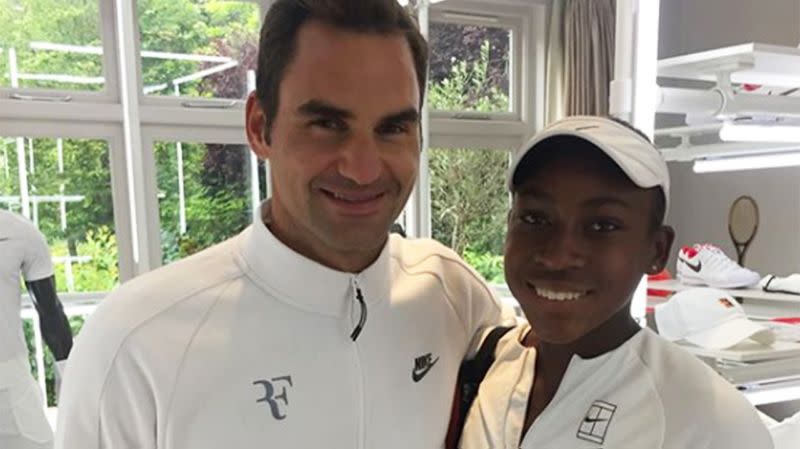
x=475, y=370
x=470, y=376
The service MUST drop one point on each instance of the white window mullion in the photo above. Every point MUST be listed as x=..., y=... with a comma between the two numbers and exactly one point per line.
x=141, y=191
x=418, y=209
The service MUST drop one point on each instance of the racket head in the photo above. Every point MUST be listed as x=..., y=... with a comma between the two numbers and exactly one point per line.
x=743, y=221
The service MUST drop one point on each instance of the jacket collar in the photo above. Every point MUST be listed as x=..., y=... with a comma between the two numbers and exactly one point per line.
x=304, y=283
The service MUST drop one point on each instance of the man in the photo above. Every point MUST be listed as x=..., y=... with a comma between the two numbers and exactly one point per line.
x=24, y=251
x=312, y=328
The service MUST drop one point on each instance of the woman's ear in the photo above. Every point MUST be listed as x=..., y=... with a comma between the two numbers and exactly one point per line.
x=663, y=238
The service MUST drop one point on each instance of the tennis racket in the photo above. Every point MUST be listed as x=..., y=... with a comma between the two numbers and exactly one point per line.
x=743, y=225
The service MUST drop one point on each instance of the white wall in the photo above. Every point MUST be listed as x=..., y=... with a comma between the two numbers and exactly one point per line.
x=700, y=205
x=694, y=25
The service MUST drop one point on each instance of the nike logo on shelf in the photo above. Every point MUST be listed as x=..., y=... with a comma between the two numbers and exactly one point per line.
x=422, y=365
x=694, y=267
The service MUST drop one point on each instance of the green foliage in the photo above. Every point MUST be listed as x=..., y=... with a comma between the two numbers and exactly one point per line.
x=102, y=272
x=469, y=202
x=75, y=323
x=216, y=191
x=74, y=22
x=468, y=87
x=489, y=265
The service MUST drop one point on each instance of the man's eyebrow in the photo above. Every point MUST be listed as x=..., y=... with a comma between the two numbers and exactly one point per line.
x=319, y=107
x=409, y=115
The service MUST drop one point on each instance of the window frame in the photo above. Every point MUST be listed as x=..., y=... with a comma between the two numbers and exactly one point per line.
x=186, y=134
x=117, y=172
x=184, y=102
x=511, y=19
x=108, y=95
x=497, y=131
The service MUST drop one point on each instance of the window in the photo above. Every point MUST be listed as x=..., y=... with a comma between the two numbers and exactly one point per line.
x=64, y=187
x=469, y=203
x=205, y=195
x=51, y=44
x=470, y=68
x=198, y=48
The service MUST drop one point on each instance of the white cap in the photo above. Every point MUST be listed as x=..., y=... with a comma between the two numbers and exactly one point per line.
x=637, y=157
x=709, y=318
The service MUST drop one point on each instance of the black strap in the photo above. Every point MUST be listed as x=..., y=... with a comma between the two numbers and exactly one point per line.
x=475, y=370
x=470, y=376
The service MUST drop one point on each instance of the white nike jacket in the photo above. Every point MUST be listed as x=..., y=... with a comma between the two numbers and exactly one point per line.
x=248, y=344
x=646, y=394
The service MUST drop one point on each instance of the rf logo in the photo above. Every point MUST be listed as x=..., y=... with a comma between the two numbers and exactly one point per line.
x=275, y=400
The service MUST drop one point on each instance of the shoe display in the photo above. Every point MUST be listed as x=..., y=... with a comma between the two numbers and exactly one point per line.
x=708, y=265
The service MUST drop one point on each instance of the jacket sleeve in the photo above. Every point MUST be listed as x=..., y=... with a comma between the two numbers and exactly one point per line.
x=36, y=264
x=106, y=399
x=738, y=425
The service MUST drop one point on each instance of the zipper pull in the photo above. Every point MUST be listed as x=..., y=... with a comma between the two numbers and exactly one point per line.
x=363, y=308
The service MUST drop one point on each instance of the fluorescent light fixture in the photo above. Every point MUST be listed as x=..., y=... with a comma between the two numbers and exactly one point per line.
x=751, y=162
x=405, y=2
x=740, y=132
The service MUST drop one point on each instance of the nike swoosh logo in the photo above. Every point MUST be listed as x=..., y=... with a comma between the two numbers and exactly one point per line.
x=594, y=420
x=418, y=374
x=695, y=267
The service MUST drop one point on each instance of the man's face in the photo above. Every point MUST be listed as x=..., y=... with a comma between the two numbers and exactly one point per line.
x=344, y=146
x=579, y=240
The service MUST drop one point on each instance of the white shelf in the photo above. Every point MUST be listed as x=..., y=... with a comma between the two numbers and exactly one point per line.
x=747, y=293
x=752, y=63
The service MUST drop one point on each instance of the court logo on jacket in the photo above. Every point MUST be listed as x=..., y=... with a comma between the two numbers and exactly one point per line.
x=594, y=425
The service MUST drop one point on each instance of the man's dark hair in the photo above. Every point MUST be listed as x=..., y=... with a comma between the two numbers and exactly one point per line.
x=278, y=43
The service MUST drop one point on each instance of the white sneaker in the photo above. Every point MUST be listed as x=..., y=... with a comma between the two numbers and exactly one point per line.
x=708, y=265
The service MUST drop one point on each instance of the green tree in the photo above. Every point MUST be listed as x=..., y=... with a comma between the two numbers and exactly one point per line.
x=469, y=201
x=75, y=22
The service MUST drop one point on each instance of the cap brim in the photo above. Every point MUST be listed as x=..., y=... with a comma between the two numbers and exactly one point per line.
x=731, y=333
x=635, y=156
x=640, y=175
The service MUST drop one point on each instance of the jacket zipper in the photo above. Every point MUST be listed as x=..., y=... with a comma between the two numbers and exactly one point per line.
x=359, y=297
x=362, y=319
